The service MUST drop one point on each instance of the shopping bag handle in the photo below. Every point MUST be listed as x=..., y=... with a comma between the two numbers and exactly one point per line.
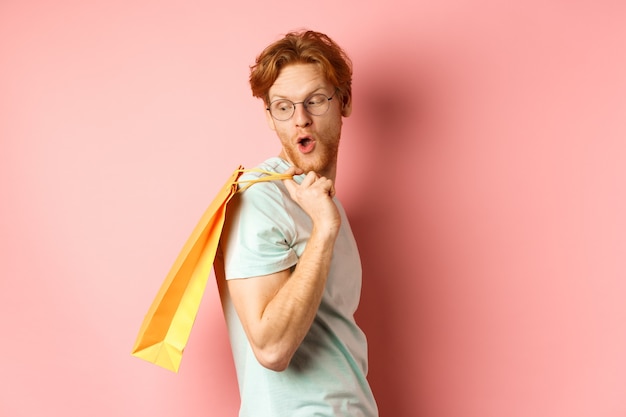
x=269, y=176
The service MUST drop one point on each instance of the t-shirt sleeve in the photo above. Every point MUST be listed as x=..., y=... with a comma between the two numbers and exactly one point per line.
x=258, y=233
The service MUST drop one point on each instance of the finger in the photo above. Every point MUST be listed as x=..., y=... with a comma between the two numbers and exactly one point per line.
x=291, y=186
x=309, y=179
x=332, y=191
x=327, y=185
x=293, y=170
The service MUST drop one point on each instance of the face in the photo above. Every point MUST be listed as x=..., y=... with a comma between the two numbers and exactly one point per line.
x=308, y=142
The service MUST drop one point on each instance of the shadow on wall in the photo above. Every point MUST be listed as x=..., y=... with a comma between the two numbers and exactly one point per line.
x=397, y=112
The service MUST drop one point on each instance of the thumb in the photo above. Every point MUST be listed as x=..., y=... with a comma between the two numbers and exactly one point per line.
x=291, y=186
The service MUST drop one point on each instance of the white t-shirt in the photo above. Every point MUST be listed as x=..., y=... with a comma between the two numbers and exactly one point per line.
x=266, y=232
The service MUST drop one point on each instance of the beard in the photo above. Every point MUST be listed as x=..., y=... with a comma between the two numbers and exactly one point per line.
x=323, y=158
x=322, y=161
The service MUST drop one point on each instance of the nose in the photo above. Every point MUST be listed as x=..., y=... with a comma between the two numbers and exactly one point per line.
x=301, y=116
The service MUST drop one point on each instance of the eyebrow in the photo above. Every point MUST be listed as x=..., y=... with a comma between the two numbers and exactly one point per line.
x=281, y=97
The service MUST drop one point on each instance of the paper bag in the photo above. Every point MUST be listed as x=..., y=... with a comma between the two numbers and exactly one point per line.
x=166, y=327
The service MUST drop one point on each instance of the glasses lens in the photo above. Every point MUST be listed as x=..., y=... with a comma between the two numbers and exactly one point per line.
x=317, y=104
x=282, y=109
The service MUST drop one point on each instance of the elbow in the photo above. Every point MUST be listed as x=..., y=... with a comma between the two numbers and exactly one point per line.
x=275, y=359
x=274, y=365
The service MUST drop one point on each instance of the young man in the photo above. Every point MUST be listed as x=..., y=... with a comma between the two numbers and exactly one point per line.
x=292, y=269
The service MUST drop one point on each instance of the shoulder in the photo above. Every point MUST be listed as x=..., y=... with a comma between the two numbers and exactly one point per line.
x=273, y=165
x=264, y=196
x=273, y=190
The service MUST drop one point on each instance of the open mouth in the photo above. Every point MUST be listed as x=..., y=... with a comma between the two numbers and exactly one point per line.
x=304, y=141
x=306, y=144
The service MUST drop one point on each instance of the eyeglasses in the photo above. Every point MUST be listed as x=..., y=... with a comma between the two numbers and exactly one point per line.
x=283, y=109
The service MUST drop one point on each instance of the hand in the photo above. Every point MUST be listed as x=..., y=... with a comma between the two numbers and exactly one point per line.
x=314, y=196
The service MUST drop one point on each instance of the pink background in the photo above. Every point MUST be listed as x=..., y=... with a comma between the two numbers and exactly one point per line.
x=484, y=169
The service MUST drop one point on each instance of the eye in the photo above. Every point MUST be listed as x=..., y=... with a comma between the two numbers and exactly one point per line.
x=281, y=106
x=316, y=100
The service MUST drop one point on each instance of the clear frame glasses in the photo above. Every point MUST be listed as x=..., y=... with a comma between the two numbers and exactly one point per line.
x=316, y=104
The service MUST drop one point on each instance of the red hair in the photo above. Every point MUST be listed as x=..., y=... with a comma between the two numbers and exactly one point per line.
x=305, y=47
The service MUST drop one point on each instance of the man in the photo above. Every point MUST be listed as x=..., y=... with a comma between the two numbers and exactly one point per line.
x=292, y=269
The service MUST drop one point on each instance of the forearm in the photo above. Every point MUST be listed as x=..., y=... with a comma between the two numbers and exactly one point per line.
x=288, y=315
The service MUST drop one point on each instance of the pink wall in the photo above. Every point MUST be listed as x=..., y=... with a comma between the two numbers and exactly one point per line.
x=484, y=169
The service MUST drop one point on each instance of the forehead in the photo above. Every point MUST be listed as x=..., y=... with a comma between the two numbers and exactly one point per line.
x=298, y=80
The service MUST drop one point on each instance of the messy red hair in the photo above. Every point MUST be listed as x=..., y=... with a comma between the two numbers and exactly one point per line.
x=304, y=47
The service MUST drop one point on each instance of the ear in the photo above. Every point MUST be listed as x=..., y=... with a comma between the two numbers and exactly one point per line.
x=270, y=120
x=346, y=109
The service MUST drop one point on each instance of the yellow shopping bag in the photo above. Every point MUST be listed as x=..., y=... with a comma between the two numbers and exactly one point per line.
x=165, y=330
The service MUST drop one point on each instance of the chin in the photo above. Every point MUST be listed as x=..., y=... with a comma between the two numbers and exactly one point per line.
x=319, y=162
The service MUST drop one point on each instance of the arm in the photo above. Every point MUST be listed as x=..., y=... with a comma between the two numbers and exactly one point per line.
x=277, y=310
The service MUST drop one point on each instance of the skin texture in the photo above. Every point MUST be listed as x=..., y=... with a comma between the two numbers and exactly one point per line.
x=277, y=310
